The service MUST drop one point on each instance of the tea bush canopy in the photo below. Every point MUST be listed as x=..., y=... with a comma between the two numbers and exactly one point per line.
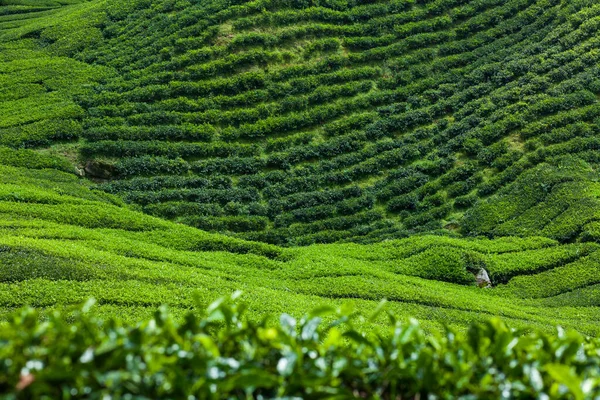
x=221, y=354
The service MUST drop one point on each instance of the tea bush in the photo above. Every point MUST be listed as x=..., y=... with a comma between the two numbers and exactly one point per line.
x=430, y=108
x=394, y=148
x=220, y=353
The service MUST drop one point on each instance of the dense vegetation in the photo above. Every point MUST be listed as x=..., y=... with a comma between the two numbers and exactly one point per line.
x=223, y=355
x=62, y=242
x=327, y=121
x=305, y=152
x=316, y=121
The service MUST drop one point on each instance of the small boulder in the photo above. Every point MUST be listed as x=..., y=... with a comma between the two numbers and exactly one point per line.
x=482, y=278
x=100, y=169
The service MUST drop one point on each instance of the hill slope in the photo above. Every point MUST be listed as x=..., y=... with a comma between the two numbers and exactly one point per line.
x=326, y=121
x=322, y=122
x=61, y=243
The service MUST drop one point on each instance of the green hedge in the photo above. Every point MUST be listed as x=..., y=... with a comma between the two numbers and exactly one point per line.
x=222, y=354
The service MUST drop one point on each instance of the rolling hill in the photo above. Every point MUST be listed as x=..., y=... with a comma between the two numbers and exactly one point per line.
x=62, y=242
x=305, y=152
x=314, y=155
x=324, y=121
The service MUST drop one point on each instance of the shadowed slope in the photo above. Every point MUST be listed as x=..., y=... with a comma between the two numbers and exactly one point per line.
x=336, y=122
x=310, y=122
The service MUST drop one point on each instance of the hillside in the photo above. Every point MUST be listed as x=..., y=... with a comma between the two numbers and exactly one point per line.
x=303, y=152
x=310, y=122
x=62, y=242
x=333, y=121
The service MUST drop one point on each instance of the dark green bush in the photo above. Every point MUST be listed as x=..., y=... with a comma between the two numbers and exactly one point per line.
x=404, y=98
x=222, y=354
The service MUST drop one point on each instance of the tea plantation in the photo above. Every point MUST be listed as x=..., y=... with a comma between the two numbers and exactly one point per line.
x=306, y=153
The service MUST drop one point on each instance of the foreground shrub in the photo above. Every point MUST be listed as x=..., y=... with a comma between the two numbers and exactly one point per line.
x=221, y=354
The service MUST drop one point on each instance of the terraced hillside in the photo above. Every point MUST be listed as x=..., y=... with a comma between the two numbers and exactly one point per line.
x=442, y=136
x=325, y=121
x=61, y=243
x=319, y=121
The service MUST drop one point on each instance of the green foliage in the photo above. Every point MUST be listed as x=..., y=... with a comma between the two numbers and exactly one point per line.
x=429, y=107
x=219, y=353
x=441, y=263
x=397, y=124
x=62, y=242
x=33, y=160
x=555, y=200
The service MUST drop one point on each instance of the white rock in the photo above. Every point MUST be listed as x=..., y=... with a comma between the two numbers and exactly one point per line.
x=483, y=279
